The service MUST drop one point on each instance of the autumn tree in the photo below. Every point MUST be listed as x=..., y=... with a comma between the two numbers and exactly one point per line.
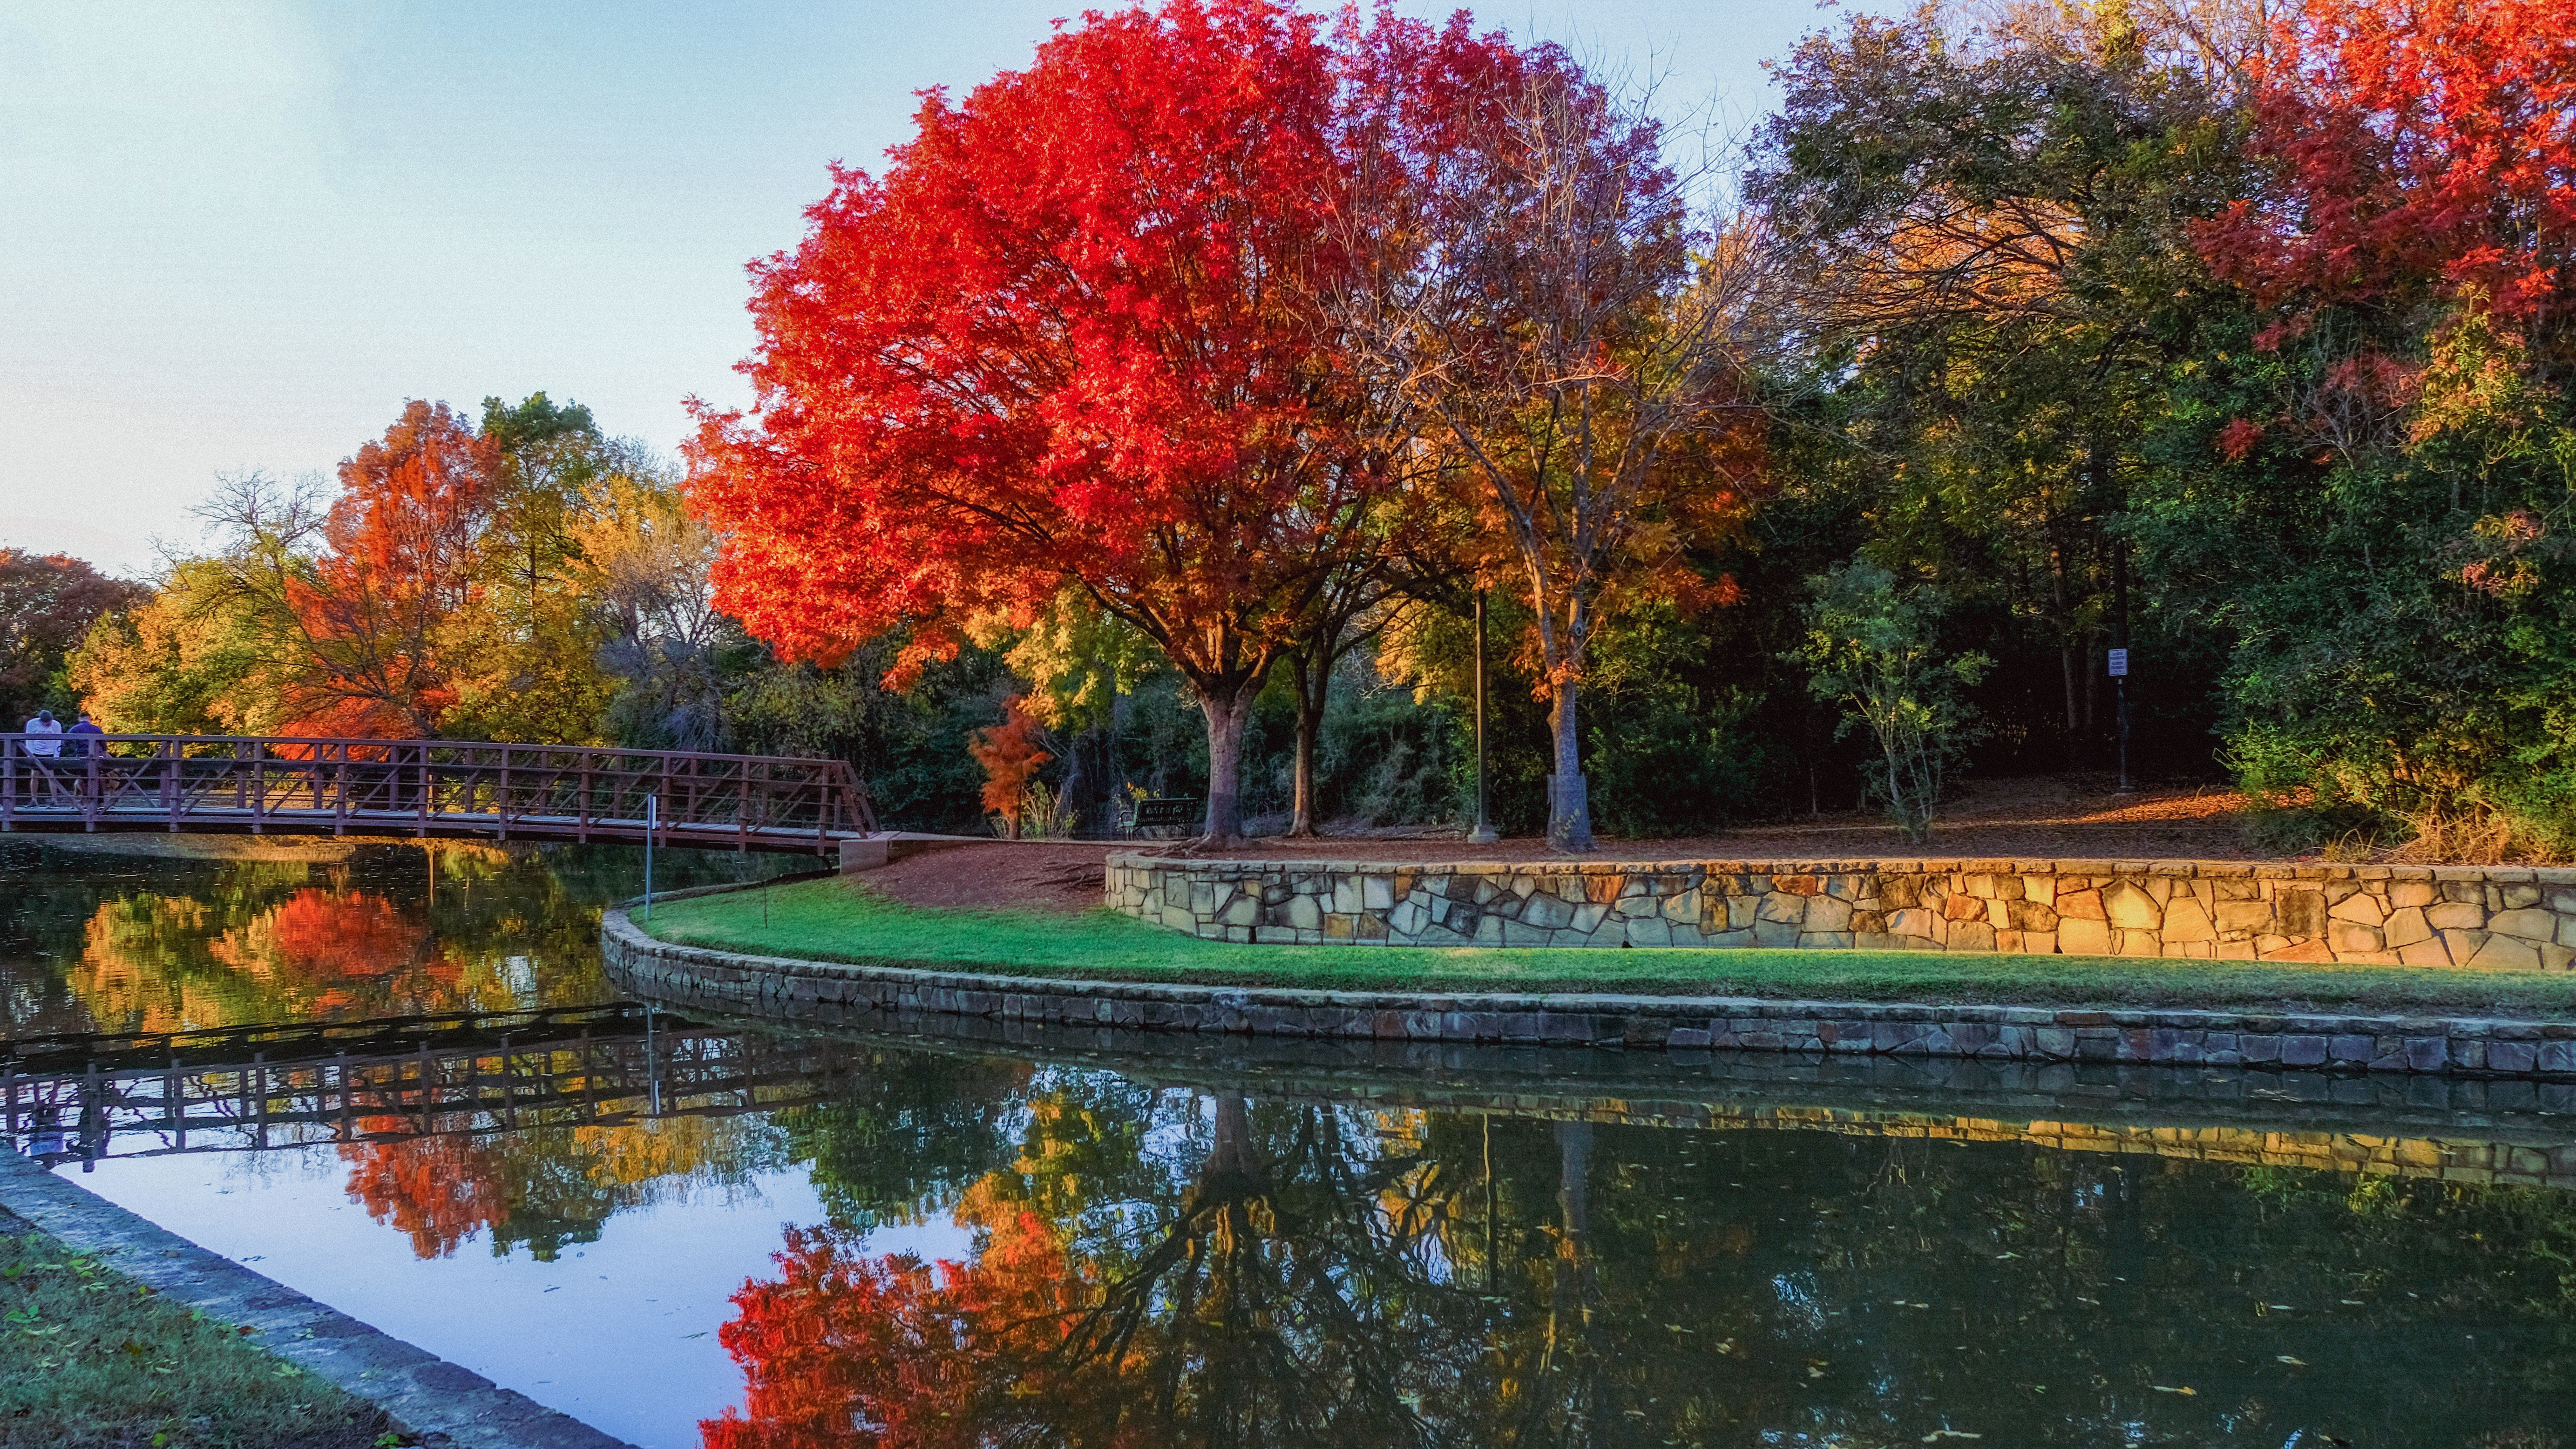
x=2370, y=489
x=48, y=602
x=1552, y=308
x=526, y=658
x=2424, y=151
x=184, y=660
x=1069, y=337
x=1010, y=753
x=398, y=568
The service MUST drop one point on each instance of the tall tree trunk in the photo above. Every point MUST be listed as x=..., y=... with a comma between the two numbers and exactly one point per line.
x=1310, y=669
x=1569, y=810
x=1084, y=805
x=1227, y=710
x=2069, y=649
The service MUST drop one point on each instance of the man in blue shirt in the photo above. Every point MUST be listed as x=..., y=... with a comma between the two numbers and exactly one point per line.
x=81, y=749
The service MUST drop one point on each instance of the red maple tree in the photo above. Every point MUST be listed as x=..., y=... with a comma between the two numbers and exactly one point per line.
x=403, y=544
x=1071, y=335
x=847, y=1349
x=2420, y=144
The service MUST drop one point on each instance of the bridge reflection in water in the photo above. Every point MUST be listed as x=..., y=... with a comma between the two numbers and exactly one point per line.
x=82, y=1098
x=256, y=1088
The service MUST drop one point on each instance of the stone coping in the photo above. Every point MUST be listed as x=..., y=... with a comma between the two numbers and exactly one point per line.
x=1830, y=865
x=442, y=1402
x=2273, y=1040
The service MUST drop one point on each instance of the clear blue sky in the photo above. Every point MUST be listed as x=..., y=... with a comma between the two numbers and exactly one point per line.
x=237, y=235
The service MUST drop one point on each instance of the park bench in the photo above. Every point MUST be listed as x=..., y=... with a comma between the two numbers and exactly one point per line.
x=1160, y=814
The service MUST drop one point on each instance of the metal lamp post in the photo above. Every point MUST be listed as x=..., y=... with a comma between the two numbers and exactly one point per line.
x=1484, y=833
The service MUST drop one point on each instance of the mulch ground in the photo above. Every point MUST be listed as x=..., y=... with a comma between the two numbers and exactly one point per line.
x=2081, y=819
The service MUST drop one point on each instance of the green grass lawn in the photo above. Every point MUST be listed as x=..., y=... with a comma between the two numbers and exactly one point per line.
x=89, y=1357
x=841, y=919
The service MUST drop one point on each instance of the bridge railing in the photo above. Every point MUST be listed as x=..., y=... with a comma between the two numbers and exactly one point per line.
x=444, y=786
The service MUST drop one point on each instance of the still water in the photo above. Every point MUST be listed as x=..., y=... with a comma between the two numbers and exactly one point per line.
x=742, y=1235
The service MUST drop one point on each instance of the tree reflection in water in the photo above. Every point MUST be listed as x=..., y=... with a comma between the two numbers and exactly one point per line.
x=548, y=1188
x=139, y=944
x=1169, y=1268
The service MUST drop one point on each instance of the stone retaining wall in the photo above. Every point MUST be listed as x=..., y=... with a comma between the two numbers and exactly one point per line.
x=789, y=986
x=2487, y=918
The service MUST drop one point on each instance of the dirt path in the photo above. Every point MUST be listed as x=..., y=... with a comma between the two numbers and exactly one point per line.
x=2079, y=818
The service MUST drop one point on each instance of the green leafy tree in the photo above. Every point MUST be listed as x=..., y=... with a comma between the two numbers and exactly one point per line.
x=1873, y=645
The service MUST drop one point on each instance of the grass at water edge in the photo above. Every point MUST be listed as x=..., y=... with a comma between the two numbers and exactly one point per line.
x=91, y=1359
x=843, y=919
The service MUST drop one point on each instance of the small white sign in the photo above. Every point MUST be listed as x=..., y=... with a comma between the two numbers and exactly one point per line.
x=2119, y=663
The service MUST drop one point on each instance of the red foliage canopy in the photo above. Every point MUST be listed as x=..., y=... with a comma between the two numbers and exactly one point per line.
x=403, y=540
x=2420, y=142
x=848, y=1350
x=1072, y=335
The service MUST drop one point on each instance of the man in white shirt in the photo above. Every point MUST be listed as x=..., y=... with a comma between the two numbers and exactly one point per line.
x=45, y=735
x=44, y=744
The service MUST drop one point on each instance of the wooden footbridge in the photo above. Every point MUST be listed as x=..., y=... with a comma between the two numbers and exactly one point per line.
x=280, y=785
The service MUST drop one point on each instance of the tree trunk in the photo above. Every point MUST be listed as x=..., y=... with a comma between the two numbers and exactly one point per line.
x=1569, y=808
x=1313, y=678
x=1084, y=806
x=1227, y=711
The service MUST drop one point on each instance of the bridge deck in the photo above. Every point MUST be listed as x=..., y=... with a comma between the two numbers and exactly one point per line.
x=263, y=785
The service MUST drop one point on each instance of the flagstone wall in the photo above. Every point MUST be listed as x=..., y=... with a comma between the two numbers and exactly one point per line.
x=2482, y=918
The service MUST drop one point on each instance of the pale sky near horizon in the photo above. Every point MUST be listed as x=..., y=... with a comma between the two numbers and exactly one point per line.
x=239, y=235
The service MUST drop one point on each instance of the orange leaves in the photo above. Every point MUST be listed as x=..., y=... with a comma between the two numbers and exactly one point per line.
x=403, y=541
x=1010, y=756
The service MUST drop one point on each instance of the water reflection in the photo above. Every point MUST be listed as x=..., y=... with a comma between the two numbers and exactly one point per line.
x=137, y=943
x=1144, y=1242
x=1181, y=1267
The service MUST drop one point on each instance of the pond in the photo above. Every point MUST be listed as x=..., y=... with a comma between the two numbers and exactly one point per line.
x=745, y=1234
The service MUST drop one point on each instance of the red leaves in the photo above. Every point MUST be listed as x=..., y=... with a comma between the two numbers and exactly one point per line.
x=1063, y=337
x=847, y=1350
x=2420, y=142
x=403, y=542
x=1074, y=334
x=2237, y=439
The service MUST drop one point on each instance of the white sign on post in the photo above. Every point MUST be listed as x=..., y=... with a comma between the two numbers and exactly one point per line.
x=2119, y=663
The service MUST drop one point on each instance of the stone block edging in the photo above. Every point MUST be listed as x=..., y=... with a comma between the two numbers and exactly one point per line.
x=686, y=976
x=444, y=1403
x=2477, y=917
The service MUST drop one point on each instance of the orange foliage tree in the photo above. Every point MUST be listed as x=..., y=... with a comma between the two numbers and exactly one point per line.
x=1071, y=336
x=403, y=547
x=1582, y=348
x=1010, y=754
